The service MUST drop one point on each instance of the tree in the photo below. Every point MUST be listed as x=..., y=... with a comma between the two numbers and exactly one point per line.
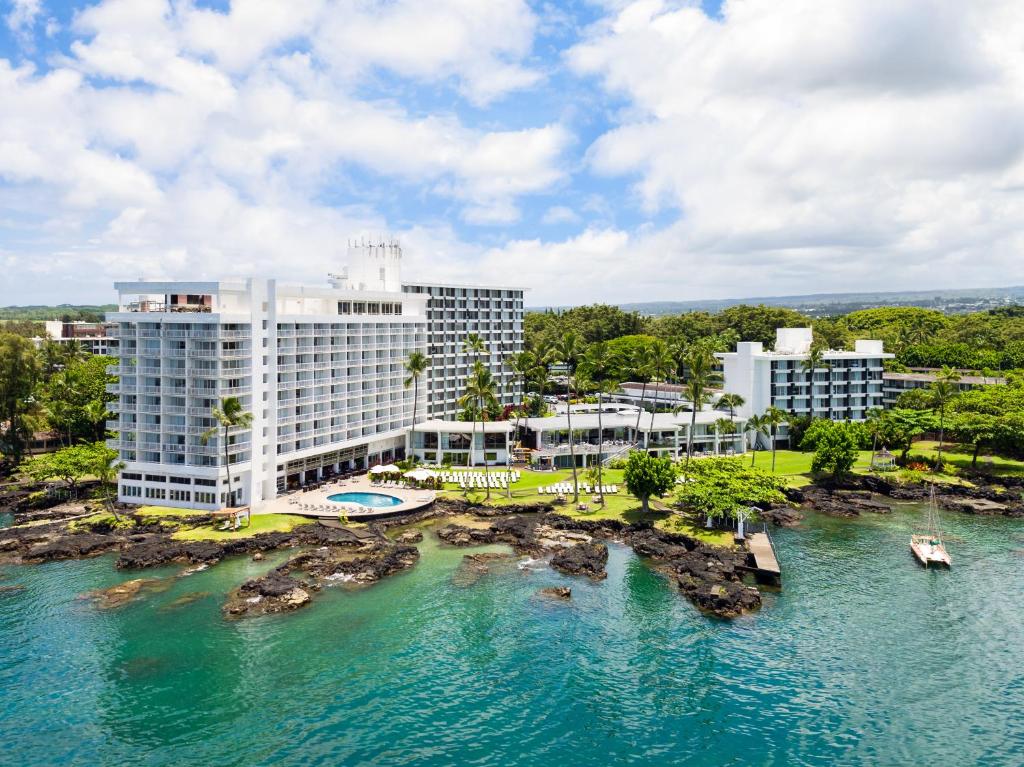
x=19, y=372
x=775, y=418
x=599, y=363
x=898, y=428
x=228, y=416
x=815, y=359
x=944, y=388
x=479, y=395
x=759, y=425
x=719, y=488
x=69, y=464
x=730, y=402
x=836, y=452
x=415, y=366
x=474, y=344
x=567, y=351
x=975, y=429
x=105, y=467
x=643, y=369
x=646, y=475
x=725, y=426
x=701, y=377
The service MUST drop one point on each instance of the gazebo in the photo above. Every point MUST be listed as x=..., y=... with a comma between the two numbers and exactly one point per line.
x=883, y=460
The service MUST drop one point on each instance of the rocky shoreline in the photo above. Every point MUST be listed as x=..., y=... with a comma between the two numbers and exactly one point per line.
x=715, y=579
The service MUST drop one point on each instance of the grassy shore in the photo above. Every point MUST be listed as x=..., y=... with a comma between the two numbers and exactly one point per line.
x=622, y=506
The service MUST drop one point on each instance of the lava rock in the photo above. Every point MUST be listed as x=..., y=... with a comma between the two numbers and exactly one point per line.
x=556, y=592
x=583, y=559
x=409, y=536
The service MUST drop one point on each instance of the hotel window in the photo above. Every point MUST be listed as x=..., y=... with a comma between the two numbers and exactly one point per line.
x=181, y=495
x=344, y=307
x=156, y=492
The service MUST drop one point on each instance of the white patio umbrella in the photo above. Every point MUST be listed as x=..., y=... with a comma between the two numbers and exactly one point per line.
x=379, y=470
x=421, y=475
x=391, y=469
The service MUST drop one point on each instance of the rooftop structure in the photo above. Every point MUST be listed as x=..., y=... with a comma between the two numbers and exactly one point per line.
x=93, y=337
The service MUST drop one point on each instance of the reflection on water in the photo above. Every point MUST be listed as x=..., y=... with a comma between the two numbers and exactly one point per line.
x=862, y=658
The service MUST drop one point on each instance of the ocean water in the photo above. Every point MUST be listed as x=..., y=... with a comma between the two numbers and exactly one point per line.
x=862, y=659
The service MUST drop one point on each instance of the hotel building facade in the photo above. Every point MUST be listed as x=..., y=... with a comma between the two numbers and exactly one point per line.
x=320, y=368
x=845, y=387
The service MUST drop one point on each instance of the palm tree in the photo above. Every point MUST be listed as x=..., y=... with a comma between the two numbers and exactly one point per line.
x=662, y=365
x=643, y=370
x=599, y=363
x=478, y=397
x=566, y=351
x=524, y=366
x=814, y=360
x=759, y=425
x=774, y=418
x=96, y=413
x=944, y=388
x=415, y=366
x=228, y=416
x=702, y=376
x=730, y=402
x=725, y=426
x=474, y=344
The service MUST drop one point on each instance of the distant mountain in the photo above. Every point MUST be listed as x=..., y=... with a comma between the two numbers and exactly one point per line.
x=955, y=301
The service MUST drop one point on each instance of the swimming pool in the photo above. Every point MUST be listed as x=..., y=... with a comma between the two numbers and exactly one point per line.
x=374, y=500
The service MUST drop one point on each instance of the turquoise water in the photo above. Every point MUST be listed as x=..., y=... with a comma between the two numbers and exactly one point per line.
x=374, y=500
x=863, y=659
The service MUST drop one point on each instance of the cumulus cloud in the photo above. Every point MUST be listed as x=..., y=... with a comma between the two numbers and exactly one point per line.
x=786, y=146
x=853, y=134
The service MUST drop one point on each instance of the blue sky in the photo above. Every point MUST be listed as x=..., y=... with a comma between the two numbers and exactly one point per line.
x=610, y=150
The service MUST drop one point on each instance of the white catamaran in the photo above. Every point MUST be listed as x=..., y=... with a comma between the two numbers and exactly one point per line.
x=927, y=546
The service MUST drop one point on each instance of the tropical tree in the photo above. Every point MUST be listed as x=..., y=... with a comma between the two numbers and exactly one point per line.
x=600, y=364
x=105, y=467
x=228, y=416
x=474, y=344
x=701, y=377
x=730, y=402
x=19, y=371
x=663, y=364
x=567, y=351
x=69, y=464
x=758, y=424
x=836, y=451
x=815, y=360
x=943, y=389
x=725, y=426
x=415, y=366
x=775, y=418
x=524, y=366
x=478, y=397
x=643, y=369
x=646, y=475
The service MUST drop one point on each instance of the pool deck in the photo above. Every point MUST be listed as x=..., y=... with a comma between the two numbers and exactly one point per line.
x=293, y=503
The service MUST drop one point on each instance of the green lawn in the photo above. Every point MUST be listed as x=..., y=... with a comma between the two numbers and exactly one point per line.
x=261, y=523
x=960, y=457
x=621, y=506
x=791, y=463
x=167, y=511
x=686, y=526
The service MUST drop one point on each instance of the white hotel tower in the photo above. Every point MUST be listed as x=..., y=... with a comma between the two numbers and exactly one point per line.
x=320, y=368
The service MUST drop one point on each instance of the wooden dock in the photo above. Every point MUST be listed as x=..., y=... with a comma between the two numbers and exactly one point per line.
x=762, y=555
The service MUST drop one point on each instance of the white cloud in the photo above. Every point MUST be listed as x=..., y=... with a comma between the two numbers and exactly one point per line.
x=560, y=214
x=481, y=44
x=23, y=15
x=806, y=140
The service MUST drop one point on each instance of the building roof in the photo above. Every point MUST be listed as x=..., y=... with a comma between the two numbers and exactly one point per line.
x=662, y=421
x=931, y=377
x=466, y=427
